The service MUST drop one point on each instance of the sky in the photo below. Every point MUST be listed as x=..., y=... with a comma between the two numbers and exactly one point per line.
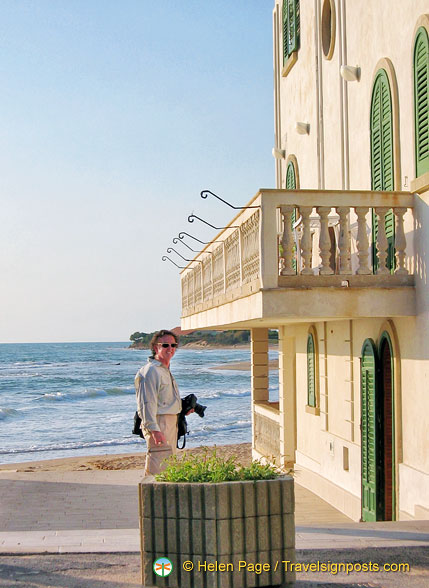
x=114, y=115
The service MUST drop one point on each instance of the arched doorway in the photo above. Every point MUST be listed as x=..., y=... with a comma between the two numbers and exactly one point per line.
x=387, y=441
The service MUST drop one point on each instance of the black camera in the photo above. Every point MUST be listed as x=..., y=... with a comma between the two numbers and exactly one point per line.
x=189, y=403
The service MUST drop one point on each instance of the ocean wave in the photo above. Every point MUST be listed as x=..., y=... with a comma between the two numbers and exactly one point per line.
x=211, y=394
x=33, y=363
x=219, y=369
x=9, y=375
x=70, y=446
x=81, y=394
x=6, y=413
x=226, y=426
x=212, y=434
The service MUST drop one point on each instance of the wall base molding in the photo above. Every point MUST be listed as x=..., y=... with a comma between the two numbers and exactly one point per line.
x=336, y=496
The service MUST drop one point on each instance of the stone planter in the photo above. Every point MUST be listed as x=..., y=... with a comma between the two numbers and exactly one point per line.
x=230, y=534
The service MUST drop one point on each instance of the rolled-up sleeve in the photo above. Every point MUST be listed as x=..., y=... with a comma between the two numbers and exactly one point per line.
x=147, y=387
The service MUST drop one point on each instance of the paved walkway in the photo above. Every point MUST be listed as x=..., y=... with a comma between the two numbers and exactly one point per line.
x=97, y=511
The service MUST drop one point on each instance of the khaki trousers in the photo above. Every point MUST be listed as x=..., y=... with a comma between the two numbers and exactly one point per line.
x=157, y=453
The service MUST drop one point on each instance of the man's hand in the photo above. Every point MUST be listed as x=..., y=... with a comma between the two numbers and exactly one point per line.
x=190, y=411
x=158, y=437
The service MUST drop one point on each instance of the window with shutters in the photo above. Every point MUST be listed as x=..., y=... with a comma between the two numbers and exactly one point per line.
x=382, y=172
x=312, y=373
x=290, y=177
x=291, y=33
x=421, y=100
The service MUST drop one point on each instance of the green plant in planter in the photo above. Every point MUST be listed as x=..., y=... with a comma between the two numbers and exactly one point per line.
x=211, y=468
x=216, y=521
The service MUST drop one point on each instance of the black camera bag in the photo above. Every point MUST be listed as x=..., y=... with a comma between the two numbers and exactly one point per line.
x=136, y=429
x=182, y=428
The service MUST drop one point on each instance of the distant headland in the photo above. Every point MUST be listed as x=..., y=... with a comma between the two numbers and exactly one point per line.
x=197, y=339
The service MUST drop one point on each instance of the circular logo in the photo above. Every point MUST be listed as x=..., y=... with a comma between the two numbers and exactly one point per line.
x=162, y=567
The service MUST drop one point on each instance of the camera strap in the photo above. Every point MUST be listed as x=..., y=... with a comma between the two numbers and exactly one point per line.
x=182, y=429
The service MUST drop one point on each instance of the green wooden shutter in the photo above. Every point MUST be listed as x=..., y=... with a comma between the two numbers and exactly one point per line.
x=291, y=185
x=290, y=177
x=285, y=29
x=421, y=100
x=376, y=151
x=311, y=372
x=291, y=27
x=369, y=431
x=382, y=159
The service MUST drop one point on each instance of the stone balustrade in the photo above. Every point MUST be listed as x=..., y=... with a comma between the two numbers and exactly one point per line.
x=305, y=238
x=290, y=241
x=225, y=267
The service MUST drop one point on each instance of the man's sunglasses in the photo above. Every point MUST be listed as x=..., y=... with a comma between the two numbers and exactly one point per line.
x=165, y=345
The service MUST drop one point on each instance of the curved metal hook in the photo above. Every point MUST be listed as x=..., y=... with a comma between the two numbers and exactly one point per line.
x=182, y=236
x=191, y=218
x=205, y=193
x=170, y=249
x=165, y=257
x=176, y=241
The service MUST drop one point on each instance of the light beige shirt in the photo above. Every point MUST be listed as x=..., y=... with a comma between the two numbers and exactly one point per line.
x=156, y=393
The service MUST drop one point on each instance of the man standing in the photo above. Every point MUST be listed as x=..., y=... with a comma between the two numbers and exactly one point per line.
x=158, y=401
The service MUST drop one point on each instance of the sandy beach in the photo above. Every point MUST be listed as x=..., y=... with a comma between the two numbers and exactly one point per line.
x=123, y=461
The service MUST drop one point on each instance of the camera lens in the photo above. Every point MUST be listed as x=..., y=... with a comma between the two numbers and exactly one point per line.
x=199, y=409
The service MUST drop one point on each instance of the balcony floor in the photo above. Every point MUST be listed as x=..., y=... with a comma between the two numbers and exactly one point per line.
x=286, y=305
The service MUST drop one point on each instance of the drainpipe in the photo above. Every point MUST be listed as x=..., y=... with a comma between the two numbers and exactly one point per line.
x=345, y=101
x=319, y=100
x=277, y=104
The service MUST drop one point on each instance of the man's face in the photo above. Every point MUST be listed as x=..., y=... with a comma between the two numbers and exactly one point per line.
x=165, y=354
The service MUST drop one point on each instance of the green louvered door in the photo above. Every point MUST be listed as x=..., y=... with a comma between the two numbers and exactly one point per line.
x=421, y=100
x=382, y=159
x=291, y=185
x=369, y=431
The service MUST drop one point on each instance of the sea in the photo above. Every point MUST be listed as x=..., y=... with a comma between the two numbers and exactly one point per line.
x=76, y=399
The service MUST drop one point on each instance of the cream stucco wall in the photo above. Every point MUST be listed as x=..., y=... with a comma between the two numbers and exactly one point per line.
x=364, y=36
x=300, y=105
x=322, y=451
x=382, y=30
x=336, y=155
x=326, y=443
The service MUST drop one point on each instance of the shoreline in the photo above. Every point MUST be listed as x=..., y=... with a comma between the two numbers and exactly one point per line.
x=122, y=461
x=199, y=345
x=205, y=345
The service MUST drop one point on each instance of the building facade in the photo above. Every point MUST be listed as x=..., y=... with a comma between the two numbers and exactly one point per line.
x=335, y=258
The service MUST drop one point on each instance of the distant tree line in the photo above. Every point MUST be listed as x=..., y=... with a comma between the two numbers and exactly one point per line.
x=140, y=339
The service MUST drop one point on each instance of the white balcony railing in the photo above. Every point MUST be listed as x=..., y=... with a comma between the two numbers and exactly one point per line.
x=302, y=238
